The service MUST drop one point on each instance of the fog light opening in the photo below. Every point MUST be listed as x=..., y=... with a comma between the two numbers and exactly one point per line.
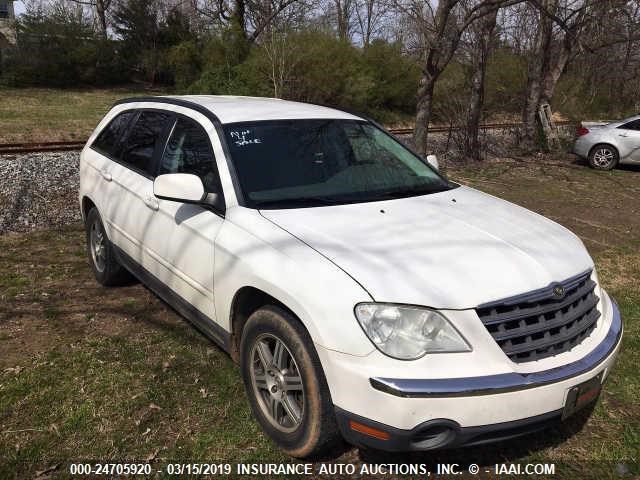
x=434, y=436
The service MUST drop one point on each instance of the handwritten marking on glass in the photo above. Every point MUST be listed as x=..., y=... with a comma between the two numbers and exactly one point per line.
x=240, y=138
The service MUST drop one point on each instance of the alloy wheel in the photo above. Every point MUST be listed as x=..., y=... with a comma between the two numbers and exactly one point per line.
x=603, y=157
x=277, y=383
x=98, y=252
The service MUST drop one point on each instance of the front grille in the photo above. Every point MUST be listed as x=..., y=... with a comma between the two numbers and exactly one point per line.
x=540, y=324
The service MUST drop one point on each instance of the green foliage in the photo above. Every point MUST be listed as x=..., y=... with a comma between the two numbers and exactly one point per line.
x=506, y=81
x=316, y=67
x=148, y=41
x=59, y=48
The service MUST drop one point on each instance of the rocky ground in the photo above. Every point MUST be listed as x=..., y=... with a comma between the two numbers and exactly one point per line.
x=38, y=190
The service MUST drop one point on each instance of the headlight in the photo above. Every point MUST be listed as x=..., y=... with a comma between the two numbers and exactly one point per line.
x=408, y=333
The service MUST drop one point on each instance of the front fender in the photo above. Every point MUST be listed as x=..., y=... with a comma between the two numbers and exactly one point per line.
x=252, y=251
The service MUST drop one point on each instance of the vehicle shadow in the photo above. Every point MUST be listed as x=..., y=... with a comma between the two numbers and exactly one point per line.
x=625, y=167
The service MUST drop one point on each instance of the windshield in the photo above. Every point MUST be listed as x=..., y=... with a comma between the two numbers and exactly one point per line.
x=298, y=163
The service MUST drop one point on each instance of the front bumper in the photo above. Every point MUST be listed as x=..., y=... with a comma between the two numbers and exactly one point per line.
x=423, y=414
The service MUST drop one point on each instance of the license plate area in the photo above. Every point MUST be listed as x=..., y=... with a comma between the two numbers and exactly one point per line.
x=582, y=395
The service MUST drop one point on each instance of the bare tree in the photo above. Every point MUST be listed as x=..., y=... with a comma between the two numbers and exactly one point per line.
x=566, y=28
x=369, y=15
x=481, y=36
x=281, y=55
x=439, y=36
x=246, y=18
x=100, y=7
x=344, y=10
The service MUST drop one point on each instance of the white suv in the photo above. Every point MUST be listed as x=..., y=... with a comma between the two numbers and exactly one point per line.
x=363, y=294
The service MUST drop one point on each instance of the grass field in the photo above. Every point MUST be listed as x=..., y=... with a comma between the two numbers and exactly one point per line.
x=41, y=114
x=92, y=373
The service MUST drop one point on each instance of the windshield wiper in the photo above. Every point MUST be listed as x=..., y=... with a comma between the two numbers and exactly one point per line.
x=298, y=202
x=407, y=192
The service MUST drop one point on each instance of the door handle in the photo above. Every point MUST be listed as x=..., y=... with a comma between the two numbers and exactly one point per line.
x=622, y=135
x=152, y=203
x=106, y=175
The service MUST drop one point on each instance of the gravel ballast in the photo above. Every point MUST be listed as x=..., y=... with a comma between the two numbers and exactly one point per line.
x=38, y=190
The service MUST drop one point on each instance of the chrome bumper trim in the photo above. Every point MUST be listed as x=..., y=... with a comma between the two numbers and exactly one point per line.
x=504, y=382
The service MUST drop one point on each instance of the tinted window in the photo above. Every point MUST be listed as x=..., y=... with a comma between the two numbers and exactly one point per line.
x=635, y=125
x=313, y=162
x=142, y=141
x=189, y=151
x=108, y=142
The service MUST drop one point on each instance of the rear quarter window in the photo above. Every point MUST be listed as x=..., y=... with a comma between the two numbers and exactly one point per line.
x=633, y=125
x=108, y=141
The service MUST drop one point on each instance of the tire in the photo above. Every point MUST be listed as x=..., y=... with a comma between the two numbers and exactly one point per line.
x=316, y=431
x=105, y=266
x=603, y=157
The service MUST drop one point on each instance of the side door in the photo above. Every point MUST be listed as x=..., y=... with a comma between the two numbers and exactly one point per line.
x=628, y=136
x=186, y=232
x=131, y=212
x=99, y=161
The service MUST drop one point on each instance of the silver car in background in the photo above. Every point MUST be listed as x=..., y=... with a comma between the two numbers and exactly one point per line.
x=606, y=145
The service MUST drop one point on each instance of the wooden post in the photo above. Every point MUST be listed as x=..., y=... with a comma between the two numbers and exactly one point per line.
x=549, y=128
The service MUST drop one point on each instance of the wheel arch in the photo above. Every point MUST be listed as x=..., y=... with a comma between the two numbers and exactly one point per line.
x=247, y=300
x=87, y=204
x=604, y=144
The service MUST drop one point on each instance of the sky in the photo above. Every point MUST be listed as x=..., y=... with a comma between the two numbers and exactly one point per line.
x=18, y=8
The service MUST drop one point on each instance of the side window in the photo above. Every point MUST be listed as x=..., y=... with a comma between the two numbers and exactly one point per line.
x=189, y=151
x=634, y=125
x=141, y=142
x=108, y=141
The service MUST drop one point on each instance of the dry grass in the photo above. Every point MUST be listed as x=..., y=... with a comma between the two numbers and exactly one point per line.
x=40, y=114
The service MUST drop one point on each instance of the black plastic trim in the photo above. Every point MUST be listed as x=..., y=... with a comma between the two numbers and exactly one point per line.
x=201, y=321
x=410, y=440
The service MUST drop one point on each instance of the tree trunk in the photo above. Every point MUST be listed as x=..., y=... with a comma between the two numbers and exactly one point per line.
x=101, y=12
x=537, y=71
x=476, y=102
x=423, y=113
x=343, y=18
x=552, y=75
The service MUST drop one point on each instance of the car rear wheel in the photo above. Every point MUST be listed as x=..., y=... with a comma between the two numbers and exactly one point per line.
x=103, y=261
x=285, y=384
x=603, y=157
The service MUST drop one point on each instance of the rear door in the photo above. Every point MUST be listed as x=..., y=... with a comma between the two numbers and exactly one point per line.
x=628, y=136
x=131, y=212
x=99, y=163
x=183, y=234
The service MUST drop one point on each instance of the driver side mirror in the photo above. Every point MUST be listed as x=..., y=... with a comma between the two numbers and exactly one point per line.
x=186, y=188
x=433, y=161
x=179, y=187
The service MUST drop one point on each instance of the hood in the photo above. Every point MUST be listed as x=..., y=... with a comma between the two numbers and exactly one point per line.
x=450, y=250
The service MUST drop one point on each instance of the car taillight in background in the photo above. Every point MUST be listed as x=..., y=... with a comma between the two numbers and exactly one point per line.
x=582, y=131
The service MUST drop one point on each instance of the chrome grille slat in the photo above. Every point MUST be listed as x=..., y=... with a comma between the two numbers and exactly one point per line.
x=537, y=325
x=568, y=333
x=558, y=321
x=571, y=297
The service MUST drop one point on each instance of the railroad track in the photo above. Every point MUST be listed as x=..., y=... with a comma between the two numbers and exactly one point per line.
x=485, y=126
x=8, y=148
x=41, y=147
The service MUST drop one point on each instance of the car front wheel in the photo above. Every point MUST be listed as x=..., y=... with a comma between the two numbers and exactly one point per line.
x=285, y=383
